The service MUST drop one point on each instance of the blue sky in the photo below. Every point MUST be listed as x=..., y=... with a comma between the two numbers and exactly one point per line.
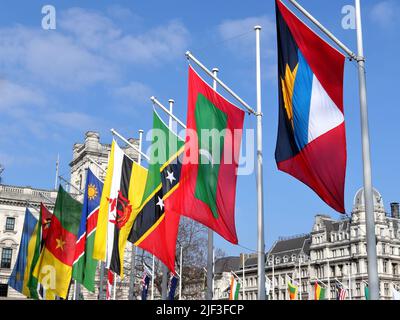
x=97, y=70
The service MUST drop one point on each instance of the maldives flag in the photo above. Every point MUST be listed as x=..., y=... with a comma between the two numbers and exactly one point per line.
x=311, y=144
x=208, y=179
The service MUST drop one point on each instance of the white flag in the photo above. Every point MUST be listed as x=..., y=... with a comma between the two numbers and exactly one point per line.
x=396, y=294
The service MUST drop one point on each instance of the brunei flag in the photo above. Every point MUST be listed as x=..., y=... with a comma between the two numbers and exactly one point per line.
x=208, y=182
x=119, y=205
x=311, y=144
x=84, y=267
x=155, y=228
x=37, y=243
x=20, y=275
x=54, y=267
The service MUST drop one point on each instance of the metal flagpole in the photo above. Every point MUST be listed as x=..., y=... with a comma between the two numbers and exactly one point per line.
x=152, y=279
x=115, y=287
x=129, y=144
x=260, y=194
x=368, y=193
x=244, y=278
x=180, y=276
x=210, y=244
x=164, y=283
x=299, y=279
x=329, y=280
x=273, y=278
x=101, y=285
x=350, y=293
x=57, y=170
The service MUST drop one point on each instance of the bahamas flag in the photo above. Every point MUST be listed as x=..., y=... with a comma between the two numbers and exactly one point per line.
x=311, y=143
x=21, y=272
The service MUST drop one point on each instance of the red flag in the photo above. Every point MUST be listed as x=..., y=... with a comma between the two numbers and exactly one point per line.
x=208, y=180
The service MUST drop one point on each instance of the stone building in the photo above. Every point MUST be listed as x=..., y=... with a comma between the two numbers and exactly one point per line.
x=333, y=252
x=13, y=202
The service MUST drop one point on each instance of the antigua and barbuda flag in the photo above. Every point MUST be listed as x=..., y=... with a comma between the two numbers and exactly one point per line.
x=311, y=143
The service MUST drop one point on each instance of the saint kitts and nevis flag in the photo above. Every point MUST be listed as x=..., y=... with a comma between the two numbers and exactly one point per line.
x=155, y=228
x=311, y=143
x=54, y=267
x=20, y=275
x=119, y=206
x=207, y=189
x=84, y=266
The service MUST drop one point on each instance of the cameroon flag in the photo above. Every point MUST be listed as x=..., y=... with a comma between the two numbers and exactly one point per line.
x=208, y=181
x=54, y=268
x=155, y=228
x=292, y=288
x=319, y=291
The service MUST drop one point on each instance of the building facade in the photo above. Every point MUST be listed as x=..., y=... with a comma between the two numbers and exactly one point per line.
x=13, y=203
x=334, y=252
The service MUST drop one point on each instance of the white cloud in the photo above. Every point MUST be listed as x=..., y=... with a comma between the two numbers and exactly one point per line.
x=385, y=13
x=231, y=31
x=134, y=92
x=14, y=95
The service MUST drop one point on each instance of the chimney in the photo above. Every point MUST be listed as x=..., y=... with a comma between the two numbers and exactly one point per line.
x=395, y=208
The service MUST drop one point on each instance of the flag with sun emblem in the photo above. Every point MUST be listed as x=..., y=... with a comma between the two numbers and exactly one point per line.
x=155, y=228
x=54, y=267
x=311, y=144
x=84, y=267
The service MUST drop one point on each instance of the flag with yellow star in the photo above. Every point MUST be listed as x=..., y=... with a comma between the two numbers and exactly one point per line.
x=54, y=268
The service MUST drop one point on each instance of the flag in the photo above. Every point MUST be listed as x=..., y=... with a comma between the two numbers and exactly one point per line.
x=172, y=287
x=311, y=144
x=292, y=288
x=54, y=267
x=208, y=181
x=38, y=242
x=366, y=292
x=234, y=289
x=155, y=228
x=20, y=274
x=267, y=286
x=110, y=284
x=395, y=293
x=319, y=291
x=145, y=286
x=84, y=267
x=340, y=292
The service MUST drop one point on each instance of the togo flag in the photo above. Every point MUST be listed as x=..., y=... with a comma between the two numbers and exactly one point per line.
x=208, y=179
x=311, y=144
x=84, y=267
x=20, y=274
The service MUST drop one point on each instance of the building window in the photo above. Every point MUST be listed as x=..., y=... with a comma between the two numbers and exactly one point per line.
x=332, y=271
x=293, y=258
x=358, y=289
x=3, y=290
x=386, y=288
x=285, y=259
x=10, y=224
x=6, y=255
x=394, y=268
x=385, y=265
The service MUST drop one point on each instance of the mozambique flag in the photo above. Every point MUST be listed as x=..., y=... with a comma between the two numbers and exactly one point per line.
x=319, y=291
x=208, y=182
x=311, y=144
x=20, y=274
x=84, y=267
x=54, y=267
x=155, y=228
x=37, y=242
x=292, y=289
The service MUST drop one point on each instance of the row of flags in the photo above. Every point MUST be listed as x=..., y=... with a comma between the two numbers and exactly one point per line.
x=196, y=177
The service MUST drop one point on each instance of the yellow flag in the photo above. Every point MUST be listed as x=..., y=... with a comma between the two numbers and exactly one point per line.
x=100, y=240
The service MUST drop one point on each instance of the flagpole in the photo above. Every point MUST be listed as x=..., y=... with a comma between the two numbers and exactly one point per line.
x=152, y=279
x=210, y=240
x=368, y=192
x=115, y=287
x=57, y=170
x=164, y=283
x=273, y=278
x=350, y=293
x=366, y=154
x=244, y=278
x=129, y=144
x=299, y=279
x=329, y=280
x=260, y=193
x=180, y=276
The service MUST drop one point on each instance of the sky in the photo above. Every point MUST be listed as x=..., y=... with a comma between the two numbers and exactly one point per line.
x=104, y=60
